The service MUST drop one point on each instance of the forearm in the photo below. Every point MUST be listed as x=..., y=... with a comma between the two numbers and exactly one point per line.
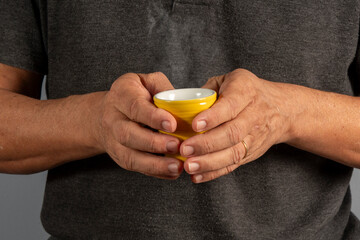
x=324, y=123
x=38, y=135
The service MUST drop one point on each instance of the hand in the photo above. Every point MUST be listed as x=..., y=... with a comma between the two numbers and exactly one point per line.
x=125, y=109
x=249, y=109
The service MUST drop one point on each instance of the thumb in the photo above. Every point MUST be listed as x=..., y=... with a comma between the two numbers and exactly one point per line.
x=155, y=82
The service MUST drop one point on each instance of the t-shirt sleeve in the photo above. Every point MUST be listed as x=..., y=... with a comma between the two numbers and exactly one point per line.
x=21, y=38
x=354, y=72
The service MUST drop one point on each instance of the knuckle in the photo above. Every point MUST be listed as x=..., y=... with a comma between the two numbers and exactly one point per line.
x=134, y=108
x=118, y=83
x=207, y=145
x=256, y=119
x=158, y=75
x=211, y=176
x=216, y=81
x=253, y=94
x=231, y=106
x=237, y=72
x=111, y=97
x=123, y=135
x=129, y=76
x=241, y=70
x=228, y=169
x=153, y=168
x=154, y=143
x=212, y=113
x=233, y=134
x=236, y=155
x=128, y=161
x=213, y=80
x=153, y=117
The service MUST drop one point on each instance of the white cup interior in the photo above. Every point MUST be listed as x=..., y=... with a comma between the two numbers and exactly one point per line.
x=184, y=94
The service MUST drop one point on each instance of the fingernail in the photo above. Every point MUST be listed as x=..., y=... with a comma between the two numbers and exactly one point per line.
x=173, y=168
x=193, y=167
x=166, y=126
x=198, y=178
x=200, y=125
x=172, y=146
x=188, y=150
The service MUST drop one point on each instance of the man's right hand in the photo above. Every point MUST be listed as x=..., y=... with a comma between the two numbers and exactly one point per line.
x=39, y=135
x=126, y=108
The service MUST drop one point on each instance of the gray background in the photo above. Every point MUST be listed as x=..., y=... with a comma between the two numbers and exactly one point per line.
x=21, y=197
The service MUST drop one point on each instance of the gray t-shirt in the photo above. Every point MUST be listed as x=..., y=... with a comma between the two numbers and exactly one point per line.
x=83, y=46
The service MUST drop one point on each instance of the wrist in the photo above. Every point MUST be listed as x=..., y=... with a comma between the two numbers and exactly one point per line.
x=288, y=99
x=96, y=107
x=297, y=103
x=88, y=110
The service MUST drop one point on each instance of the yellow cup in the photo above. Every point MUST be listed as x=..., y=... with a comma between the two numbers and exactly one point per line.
x=184, y=104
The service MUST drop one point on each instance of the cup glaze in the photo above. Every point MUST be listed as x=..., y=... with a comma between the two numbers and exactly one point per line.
x=184, y=104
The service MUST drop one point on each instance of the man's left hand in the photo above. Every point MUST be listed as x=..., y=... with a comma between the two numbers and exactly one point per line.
x=249, y=117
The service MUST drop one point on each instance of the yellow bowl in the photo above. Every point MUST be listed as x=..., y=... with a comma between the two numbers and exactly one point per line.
x=184, y=104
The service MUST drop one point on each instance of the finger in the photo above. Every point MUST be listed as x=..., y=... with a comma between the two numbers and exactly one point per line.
x=221, y=137
x=236, y=155
x=234, y=96
x=211, y=175
x=163, y=177
x=226, y=108
x=206, y=177
x=146, y=163
x=136, y=104
x=214, y=83
x=155, y=82
x=132, y=135
x=142, y=111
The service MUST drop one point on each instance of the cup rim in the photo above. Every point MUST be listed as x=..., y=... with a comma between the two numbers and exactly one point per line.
x=165, y=95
